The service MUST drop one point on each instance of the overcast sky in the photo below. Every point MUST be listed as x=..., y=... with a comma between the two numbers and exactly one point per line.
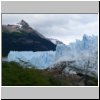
x=64, y=27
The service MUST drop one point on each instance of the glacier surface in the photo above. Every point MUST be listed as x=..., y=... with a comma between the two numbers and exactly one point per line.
x=83, y=52
x=38, y=59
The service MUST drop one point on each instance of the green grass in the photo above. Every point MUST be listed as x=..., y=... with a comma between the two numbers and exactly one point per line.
x=92, y=81
x=13, y=74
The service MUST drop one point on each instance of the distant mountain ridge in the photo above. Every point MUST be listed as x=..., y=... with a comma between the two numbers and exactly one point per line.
x=55, y=41
x=21, y=37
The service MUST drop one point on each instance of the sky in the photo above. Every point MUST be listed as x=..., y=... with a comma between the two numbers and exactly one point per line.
x=64, y=27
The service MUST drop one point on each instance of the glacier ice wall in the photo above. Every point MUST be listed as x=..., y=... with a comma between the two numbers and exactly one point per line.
x=81, y=51
x=39, y=59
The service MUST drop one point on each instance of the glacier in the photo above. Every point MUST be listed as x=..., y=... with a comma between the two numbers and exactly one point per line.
x=83, y=52
x=41, y=59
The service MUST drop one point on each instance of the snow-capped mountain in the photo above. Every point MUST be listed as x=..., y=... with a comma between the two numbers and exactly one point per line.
x=22, y=37
x=83, y=52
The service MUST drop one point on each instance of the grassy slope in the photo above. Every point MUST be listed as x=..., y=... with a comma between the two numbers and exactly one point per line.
x=14, y=74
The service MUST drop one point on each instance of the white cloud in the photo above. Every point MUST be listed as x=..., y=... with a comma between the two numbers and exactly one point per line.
x=65, y=27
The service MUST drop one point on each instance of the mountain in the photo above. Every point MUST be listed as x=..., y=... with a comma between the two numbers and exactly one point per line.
x=55, y=41
x=83, y=53
x=21, y=37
